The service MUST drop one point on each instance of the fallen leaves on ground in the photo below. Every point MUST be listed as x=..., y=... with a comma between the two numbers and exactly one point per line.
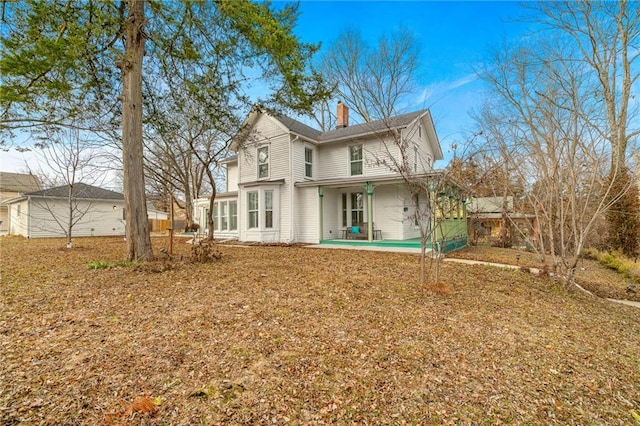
x=590, y=274
x=293, y=335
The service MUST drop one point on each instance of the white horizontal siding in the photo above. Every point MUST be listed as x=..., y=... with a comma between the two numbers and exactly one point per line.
x=388, y=212
x=306, y=215
x=19, y=218
x=49, y=218
x=265, y=132
x=232, y=177
x=417, y=136
x=334, y=161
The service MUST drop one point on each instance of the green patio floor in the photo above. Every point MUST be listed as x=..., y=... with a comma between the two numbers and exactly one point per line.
x=415, y=242
x=449, y=245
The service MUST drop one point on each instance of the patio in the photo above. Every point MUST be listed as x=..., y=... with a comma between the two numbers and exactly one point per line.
x=447, y=246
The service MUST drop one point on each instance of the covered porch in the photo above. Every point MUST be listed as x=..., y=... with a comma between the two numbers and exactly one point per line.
x=381, y=213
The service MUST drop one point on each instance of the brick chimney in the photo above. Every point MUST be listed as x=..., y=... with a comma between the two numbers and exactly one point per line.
x=343, y=115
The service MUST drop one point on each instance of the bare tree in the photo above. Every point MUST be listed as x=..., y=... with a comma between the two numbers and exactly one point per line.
x=70, y=159
x=371, y=80
x=605, y=36
x=173, y=170
x=538, y=125
x=436, y=200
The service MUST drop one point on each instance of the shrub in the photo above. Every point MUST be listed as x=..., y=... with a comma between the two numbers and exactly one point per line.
x=615, y=260
x=103, y=264
x=192, y=228
x=205, y=251
x=99, y=264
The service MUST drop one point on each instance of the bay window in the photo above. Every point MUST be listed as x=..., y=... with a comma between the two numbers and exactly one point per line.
x=268, y=209
x=233, y=215
x=252, y=203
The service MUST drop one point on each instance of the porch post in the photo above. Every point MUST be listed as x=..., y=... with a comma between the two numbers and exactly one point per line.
x=369, y=188
x=321, y=224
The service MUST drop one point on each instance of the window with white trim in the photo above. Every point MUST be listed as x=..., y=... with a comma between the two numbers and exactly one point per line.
x=216, y=223
x=252, y=208
x=263, y=162
x=357, y=208
x=268, y=209
x=415, y=159
x=344, y=209
x=308, y=162
x=224, y=216
x=355, y=160
x=233, y=215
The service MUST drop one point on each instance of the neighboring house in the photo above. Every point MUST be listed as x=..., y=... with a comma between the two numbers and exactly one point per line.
x=491, y=218
x=290, y=183
x=45, y=213
x=12, y=185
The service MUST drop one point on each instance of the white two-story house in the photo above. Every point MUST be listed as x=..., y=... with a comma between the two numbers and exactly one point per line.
x=290, y=183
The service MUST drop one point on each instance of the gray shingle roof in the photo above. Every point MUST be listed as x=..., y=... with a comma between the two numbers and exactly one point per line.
x=18, y=182
x=357, y=130
x=81, y=190
x=298, y=127
x=371, y=127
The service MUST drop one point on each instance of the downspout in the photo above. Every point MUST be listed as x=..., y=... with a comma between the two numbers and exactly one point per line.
x=291, y=192
x=29, y=216
x=321, y=215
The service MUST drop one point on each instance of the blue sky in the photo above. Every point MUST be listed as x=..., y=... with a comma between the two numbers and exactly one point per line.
x=454, y=38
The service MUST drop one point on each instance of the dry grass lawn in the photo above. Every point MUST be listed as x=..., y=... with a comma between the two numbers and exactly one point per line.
x=590, y=274
x=291, y=335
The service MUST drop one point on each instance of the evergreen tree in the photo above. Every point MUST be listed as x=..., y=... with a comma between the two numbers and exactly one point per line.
x=83, y=62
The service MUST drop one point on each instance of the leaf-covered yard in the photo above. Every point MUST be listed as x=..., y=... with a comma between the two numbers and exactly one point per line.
x=292, y=335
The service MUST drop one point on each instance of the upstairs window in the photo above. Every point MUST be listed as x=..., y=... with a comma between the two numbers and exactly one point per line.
x=263, y=162
x=355, y=158
x=415, y=158
x=308, y=162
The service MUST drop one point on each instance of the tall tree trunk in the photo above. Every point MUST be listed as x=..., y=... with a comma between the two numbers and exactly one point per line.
x=137, y=225
x=210, y=224
x=70, y=223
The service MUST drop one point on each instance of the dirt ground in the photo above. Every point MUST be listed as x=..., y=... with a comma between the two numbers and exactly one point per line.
x=290, y=335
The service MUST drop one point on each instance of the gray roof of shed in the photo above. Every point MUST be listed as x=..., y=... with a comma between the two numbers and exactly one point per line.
x=18, y=182
x=81, y=190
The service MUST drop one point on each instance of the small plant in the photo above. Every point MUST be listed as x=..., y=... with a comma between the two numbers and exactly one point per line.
x=99, y=264
x=617, y=261
x=103, y=264
x=192, y=228
x=205, y=251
